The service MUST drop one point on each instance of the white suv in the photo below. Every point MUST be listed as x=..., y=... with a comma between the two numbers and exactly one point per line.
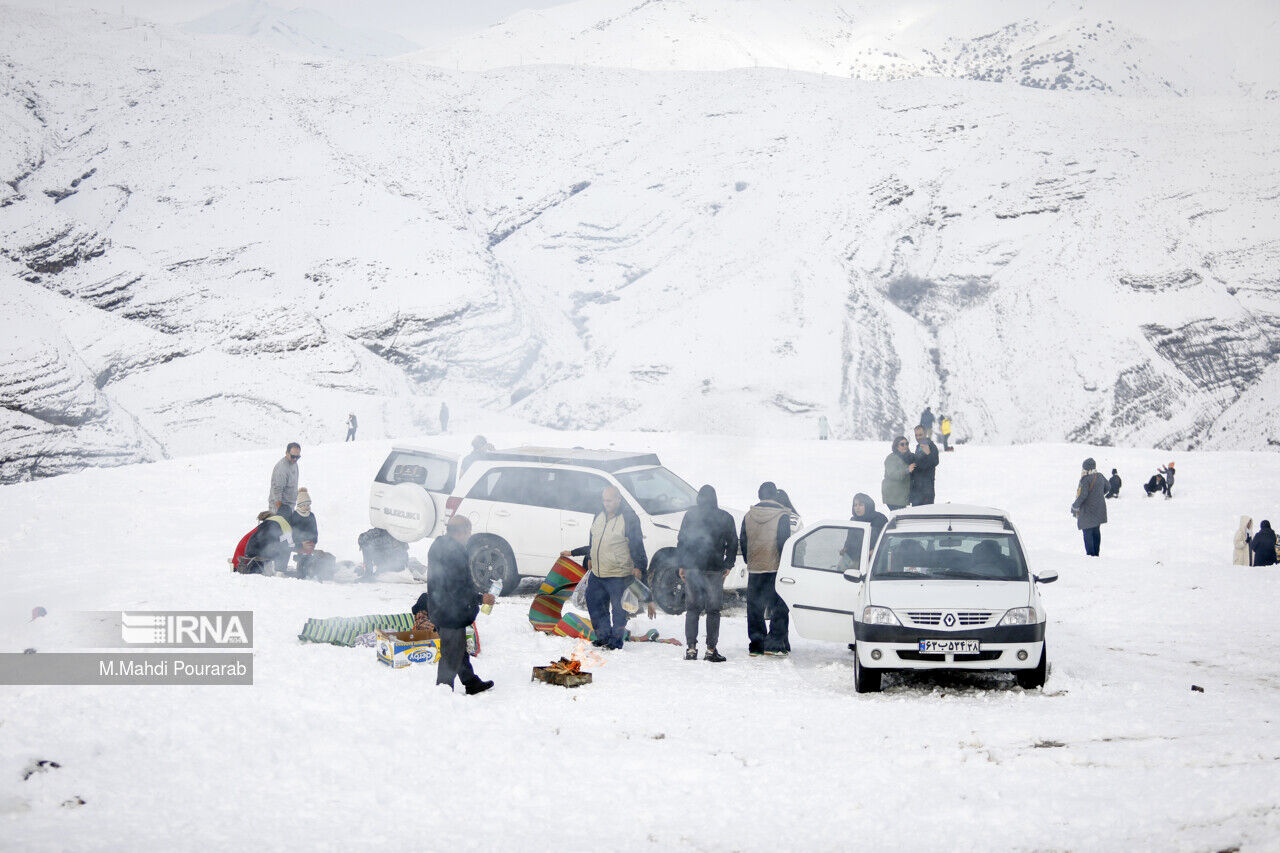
x=528, y=504
x=947, y=588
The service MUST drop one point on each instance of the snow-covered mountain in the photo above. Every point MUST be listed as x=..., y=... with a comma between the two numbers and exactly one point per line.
x=203, y=246
x=1130, y=47
x=300, y=30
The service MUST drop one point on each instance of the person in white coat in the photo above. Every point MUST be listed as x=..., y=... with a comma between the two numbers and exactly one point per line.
x=1244, y=535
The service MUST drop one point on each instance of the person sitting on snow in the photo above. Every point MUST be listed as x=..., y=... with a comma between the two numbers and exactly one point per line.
x=269, y=546
x=1113, y=485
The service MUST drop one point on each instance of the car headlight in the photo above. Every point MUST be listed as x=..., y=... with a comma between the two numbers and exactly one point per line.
x=879, y=616
x=1019, y=616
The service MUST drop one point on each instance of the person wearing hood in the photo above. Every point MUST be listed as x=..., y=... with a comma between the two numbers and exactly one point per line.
x=706, y=550
x=864, y=510
x=1244, y=536
x=765, y=529
x=895, y=488
x=269, y=546
x=306, y=531
x=1263, y=545
x=1090, y=507
x=452, y=604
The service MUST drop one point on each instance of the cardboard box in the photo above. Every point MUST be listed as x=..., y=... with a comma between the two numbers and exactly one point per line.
x=398, y=649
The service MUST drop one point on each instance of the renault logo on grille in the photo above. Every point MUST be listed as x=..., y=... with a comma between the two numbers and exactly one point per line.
x=949, y=620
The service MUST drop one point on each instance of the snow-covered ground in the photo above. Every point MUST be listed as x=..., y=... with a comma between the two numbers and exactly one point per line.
x=330, y=750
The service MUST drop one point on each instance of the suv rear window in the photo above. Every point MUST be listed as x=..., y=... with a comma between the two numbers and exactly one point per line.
x=658, y=491
x=949, y=556
x=433, y=473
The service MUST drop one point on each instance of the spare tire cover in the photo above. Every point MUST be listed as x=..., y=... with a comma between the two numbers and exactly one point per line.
x=408, y=512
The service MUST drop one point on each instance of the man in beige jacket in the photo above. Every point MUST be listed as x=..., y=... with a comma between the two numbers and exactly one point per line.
x=615, y=555
x=765, y=529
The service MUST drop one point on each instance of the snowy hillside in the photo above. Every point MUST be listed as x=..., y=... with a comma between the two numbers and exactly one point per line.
x=204, y=245
x=300, y=30
x=329, y=750
x=1124, y=47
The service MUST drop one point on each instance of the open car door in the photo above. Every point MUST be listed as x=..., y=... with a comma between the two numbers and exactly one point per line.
x=811, y=578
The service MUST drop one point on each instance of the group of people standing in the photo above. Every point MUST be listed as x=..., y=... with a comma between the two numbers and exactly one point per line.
x=909, y=474
x=1255, y=549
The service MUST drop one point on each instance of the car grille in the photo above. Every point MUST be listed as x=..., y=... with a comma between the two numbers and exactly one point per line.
x=964, y=618
x=921, y=656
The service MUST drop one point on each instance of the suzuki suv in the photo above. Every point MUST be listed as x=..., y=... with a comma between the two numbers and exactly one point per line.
x=947, y=587
x=528, y=504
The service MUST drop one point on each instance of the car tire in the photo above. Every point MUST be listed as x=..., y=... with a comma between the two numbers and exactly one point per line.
x=665, y=583
x=865, y=680
x=1032, y=679
x=491, y=558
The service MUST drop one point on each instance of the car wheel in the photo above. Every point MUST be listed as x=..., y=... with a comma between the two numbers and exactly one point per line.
x=865, y=680
x=665, y=583
x=1030, y=679
x=492, y=559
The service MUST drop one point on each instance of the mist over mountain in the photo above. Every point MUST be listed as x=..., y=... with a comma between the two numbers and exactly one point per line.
x=209, y=245
x=299, y=30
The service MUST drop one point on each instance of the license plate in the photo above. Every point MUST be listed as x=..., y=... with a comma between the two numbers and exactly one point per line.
x=951, y=647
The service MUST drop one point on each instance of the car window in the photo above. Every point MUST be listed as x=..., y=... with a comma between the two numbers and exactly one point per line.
x=825, y=549
x=578, y=491
x=658, y=491
x=434, y=473
x=949, y=556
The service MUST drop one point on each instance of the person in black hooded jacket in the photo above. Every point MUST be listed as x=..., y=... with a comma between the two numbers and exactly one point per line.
x=453, y=602
x=706, y=550
x=1264, y=545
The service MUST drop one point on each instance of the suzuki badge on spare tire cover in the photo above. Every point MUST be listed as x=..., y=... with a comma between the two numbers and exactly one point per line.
x=408, y=512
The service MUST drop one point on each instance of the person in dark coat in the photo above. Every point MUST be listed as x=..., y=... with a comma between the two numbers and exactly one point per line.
x=452, y=604
x=1090, y=507
x=1168, y=473
x=1155, y=484
x=926, y=420
x=269, y=547
x=864, y=509
x=706, y=550
x=351, y=427
x=1113, y=485
x=924, y=464
x=306, y=532
x=1263, y=545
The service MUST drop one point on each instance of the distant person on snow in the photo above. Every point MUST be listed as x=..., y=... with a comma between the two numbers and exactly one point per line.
x=864, y=509
x=1168, y=480
x=1243, y=538
x=706, y=549
x=480, y=449
x=926, y=420
x=453, y=603
x=1264, y=545
x=765, y=529
x=1090, y=507
x=824, y=428
x=924, y=464
x=351, y=428
x=444, y=417
x=616, y=554
x=895, y=488
x=1155, y=484
x=284, y=480
x=1113, y=485
x=944, y=427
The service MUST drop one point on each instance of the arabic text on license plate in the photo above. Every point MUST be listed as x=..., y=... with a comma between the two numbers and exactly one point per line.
x=950, y=647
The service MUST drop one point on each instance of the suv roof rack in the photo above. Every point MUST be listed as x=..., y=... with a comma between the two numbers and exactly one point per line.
x=602, y=460
x=949, y=517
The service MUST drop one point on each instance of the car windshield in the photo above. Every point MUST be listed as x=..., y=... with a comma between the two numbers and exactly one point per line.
x=658, y=491
x=949, y=556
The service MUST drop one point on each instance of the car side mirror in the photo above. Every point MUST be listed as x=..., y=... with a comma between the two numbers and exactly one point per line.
x=852, y=575
x=1048, y=577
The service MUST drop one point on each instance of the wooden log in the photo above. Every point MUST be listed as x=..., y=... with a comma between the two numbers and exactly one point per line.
x=564, y=679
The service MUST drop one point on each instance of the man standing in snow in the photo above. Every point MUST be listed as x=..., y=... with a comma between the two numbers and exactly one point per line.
x=284, y=480
x=926, y=420
x=444, y=417
x=615, y=555
x=924, y=463
x=452, y=604
x=707, y=548
x=1090, y=507
x=824, y=428
x=765, y=529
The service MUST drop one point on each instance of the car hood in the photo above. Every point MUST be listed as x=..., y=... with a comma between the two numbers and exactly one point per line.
x=948, y=594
